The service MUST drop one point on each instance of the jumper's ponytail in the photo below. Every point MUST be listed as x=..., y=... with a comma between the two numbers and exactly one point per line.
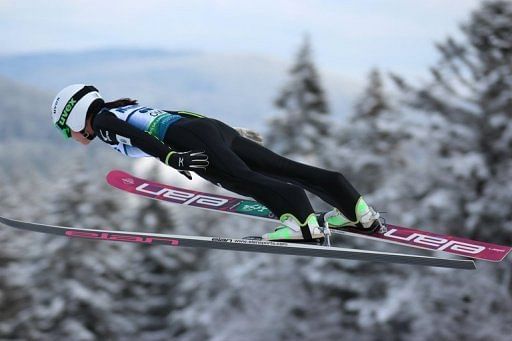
x=120, y=103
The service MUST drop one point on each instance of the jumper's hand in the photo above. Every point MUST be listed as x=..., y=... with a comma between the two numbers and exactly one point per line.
x=188, y=161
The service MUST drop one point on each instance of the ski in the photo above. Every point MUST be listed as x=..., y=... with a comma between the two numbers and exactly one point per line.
x=247, y=207
x=246, y=245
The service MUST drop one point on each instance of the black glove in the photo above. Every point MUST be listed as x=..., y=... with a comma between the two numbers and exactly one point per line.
x=188, y=161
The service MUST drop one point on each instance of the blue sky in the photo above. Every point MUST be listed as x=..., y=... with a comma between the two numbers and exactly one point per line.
x=348, y=37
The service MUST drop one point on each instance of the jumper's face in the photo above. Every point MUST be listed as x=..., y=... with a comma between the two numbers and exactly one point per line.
x=80, y=138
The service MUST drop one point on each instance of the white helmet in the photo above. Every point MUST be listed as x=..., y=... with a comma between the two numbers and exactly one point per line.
x=70, y=106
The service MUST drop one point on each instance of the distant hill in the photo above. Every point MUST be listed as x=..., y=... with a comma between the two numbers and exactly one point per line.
x=239, y=89
x=24, y=112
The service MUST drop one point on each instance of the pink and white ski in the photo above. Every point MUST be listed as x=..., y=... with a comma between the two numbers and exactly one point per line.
x=247, y=207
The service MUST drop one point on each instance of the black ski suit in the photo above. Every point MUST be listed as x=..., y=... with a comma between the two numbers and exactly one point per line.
x=238, y=164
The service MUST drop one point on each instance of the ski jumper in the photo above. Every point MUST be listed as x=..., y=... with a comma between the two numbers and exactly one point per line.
x=236, y=163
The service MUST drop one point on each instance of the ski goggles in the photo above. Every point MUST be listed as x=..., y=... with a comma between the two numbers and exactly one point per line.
x=65, y=131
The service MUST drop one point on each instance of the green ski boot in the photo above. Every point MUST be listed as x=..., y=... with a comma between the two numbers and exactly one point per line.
x=291, y=230
x=367, y=219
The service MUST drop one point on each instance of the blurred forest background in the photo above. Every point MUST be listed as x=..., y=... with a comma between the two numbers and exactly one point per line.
x=432, y=153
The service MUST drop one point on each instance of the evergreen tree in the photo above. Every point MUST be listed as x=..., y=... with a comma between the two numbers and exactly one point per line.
x=70, y=287
x=468, y=103
x=370, y=150
x=465, y=183
x=369, y=146
x=304, y=123
x=164, y=268
x=373, y=102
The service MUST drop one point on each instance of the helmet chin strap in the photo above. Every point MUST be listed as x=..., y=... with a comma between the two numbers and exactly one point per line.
x=88, y=136
x=84, y=132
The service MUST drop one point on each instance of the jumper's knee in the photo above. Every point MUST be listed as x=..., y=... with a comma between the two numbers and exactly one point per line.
x=334, y=178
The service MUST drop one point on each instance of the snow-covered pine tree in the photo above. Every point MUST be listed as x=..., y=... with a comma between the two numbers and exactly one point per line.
x=369, y=151
x=303, y=125
x=468, y=102
x=70, y=287
x=152, y=297
x=10, y=251
x=467, y=109
x=369, y=144
x=373, y=101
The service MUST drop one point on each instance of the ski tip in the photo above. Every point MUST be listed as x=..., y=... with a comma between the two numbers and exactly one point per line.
x=6, y=221
x=115, y=176
x=504, y=250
